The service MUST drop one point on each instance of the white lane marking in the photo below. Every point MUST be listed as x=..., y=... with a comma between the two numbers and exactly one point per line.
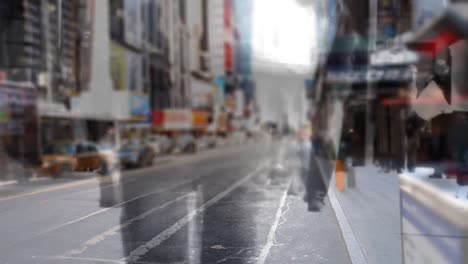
x=115, y=206
x=136, y=254
x=271, y=235
x=354, y=248
x=113, y=230
x=92, y=260
x=107, y=261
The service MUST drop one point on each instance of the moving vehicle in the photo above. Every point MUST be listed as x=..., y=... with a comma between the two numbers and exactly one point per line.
x=163, y=143
x=206, y=142
x=136, y=154
x=185, y=143
x=58, y=159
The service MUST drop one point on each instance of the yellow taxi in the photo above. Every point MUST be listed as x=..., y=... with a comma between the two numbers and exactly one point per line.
x=60, y=158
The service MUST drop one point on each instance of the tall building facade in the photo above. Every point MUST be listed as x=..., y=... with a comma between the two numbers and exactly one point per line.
x=21, y=40
x=243, y=19
x=216, y=51
x=202, y=82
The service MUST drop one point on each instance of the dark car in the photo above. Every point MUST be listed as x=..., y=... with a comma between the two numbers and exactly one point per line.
x=136, y=154
x=185, y=143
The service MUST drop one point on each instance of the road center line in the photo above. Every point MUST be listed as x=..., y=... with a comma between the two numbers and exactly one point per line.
x=271, y=235
x=140, y=251
x=105, y=261
x=90, y=260
x=113, y=230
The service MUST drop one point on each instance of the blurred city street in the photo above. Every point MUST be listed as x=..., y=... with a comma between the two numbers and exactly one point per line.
x=220, y=206
x=233, y=131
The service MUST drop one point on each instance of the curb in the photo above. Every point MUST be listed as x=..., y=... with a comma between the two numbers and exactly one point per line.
x=355, y=251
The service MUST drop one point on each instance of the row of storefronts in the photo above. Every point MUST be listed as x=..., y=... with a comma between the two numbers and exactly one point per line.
x=391, y=92
x=391, y=78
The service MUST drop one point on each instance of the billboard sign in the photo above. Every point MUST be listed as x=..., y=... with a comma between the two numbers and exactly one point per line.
x=370, y=74
x=202, y=94
x=140, y=106
x=180, y=119
x=157, y=118
x=177, y=119
x=220, y=86
x=199, y=119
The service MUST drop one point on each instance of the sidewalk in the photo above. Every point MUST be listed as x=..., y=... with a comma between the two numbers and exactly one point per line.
x=372, y=210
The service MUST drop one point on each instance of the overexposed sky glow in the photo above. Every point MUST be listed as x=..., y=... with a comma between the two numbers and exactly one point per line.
x=283, y=33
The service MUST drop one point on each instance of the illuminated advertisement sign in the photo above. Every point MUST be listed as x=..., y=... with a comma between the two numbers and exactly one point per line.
x=199, y=119
x=140, y=106
x=180, y=119
x=173, y=119
x=203, y=94
x=220, y=86
x=374, y=74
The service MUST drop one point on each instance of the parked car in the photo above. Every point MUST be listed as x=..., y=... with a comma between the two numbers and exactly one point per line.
x=163, y=143
x=185, y=143
x=60, y=158
x=136, y=154
x=154, y=145
x=206, y=142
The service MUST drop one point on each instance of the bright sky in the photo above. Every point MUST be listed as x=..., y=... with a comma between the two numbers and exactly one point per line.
x=284, y=32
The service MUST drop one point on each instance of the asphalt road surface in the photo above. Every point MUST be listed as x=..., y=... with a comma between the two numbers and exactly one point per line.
x=219, y=206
